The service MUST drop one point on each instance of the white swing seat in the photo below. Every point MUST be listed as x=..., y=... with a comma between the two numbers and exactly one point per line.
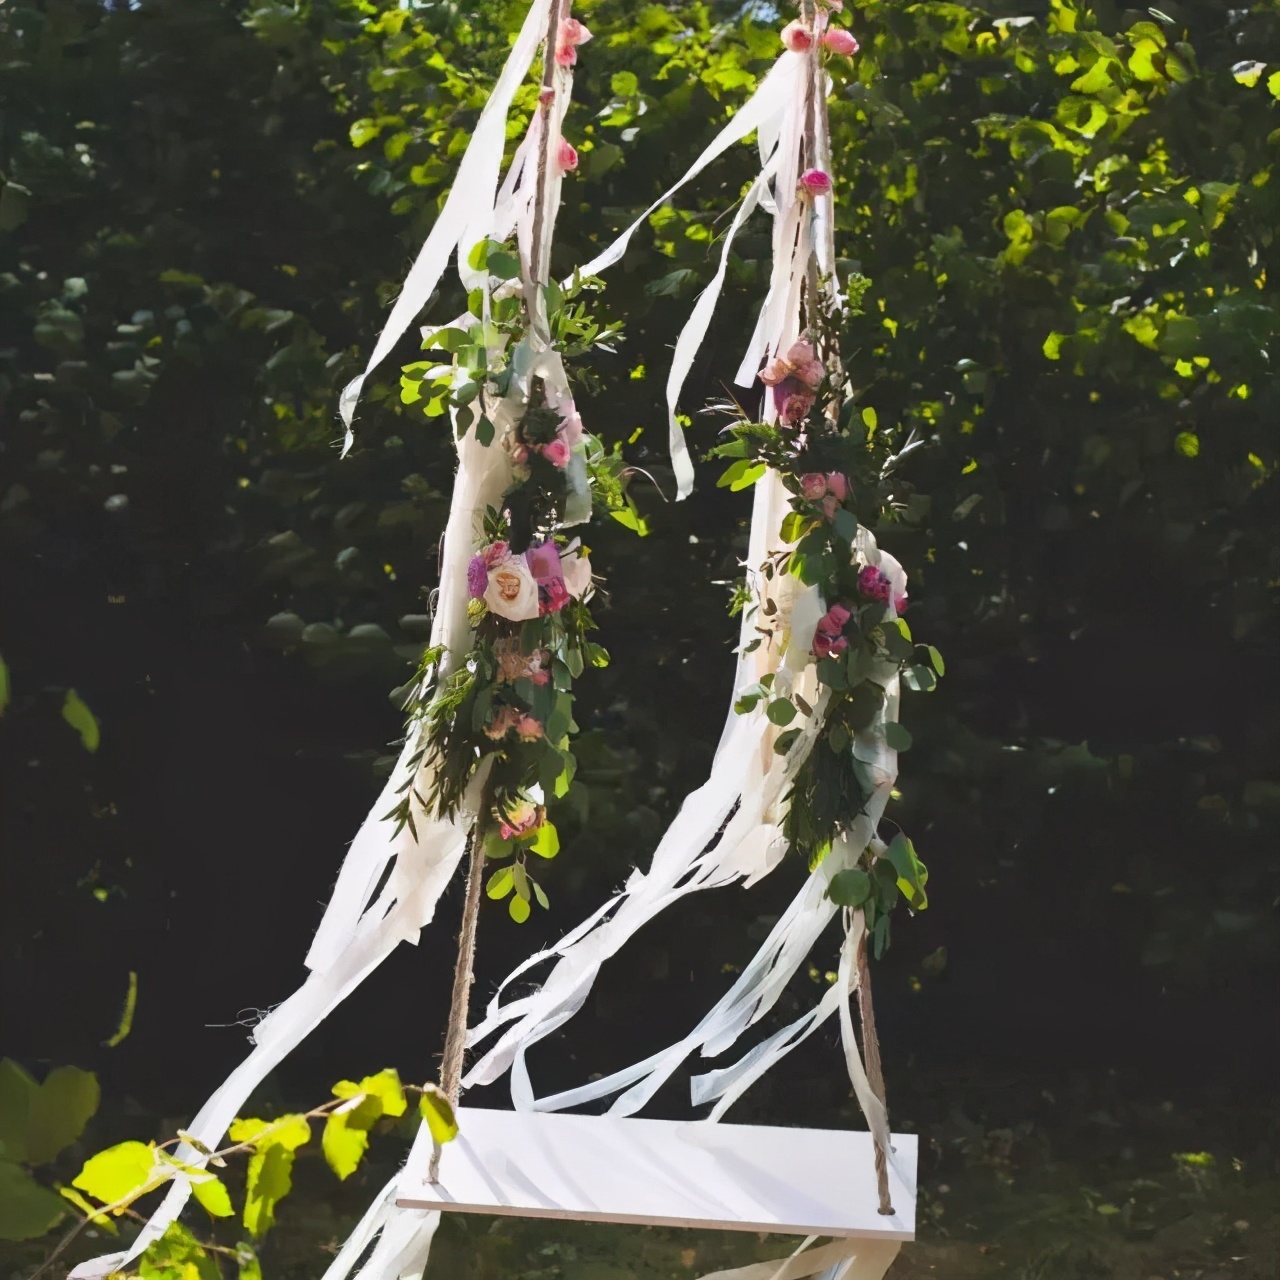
x=733, y=1177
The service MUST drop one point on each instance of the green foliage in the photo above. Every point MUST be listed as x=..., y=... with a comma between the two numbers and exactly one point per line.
x=438, y=1115
x=346, y=1130
x=82, y=720
x=269, y=1177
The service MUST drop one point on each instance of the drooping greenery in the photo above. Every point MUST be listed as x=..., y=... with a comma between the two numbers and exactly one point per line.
x=1067, y=225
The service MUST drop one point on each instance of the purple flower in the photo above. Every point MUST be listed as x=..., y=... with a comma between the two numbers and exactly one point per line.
x=477, y=577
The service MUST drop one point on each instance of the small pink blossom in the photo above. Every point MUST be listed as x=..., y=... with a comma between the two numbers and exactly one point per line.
x=873, y=584
x=572, y=33
x=556, y=452
x=816, y=182
x=496, y=553
x=477, y=577
x=838, y=485
x=566, y=157
x=797, y=37
x=838, y=40
x=529, y=729
x=828, y=638
x=503, y=721
x=813, y=485
x=900, y=605
x=800, y=362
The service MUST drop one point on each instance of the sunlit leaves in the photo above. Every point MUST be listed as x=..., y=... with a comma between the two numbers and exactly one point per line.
x=438, y=1114
x=269, y=1176
x=120, y=1174
x=77, y=714
x=346, y=1129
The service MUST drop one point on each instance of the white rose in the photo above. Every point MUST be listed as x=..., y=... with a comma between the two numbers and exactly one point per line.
x=512, y=593
x=577, y=573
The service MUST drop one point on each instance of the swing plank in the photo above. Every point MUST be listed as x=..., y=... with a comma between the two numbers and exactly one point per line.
x=663, y=1173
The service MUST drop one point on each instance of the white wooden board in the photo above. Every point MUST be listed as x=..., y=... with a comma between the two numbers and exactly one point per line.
x=663, y=1173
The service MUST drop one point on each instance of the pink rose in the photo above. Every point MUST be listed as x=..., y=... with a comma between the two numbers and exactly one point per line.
x=800, y=352
x=838, y=40
x=900, y=605
x=572, y=33
x=496, y=553
x=477, y=577
x=529, y=729
x=566, y=157
x=813, y=485
x=816, y=182
x=795, y=407
x=800, y=362
x=874, y=584
x=797, y=37
x=556, y=452
x=828, y=638
x=838, y=485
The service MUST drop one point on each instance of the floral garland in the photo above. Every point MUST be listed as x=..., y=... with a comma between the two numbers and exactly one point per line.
x=835, y=464
x=507, y=705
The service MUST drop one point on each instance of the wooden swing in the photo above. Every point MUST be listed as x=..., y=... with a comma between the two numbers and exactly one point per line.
x=607, y=1168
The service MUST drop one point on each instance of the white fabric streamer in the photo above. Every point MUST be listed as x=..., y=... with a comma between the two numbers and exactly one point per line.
x=467, y=216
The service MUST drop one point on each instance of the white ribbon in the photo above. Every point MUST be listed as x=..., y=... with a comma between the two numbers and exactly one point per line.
x=467, y=216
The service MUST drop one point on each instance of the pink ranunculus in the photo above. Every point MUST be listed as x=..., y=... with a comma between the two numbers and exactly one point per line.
x=572, y=33
x=813, y=485
x=838, y=484
x=566, y=157
x=496, y=553
x=797, y=37
x=521, y=817
x=838, y=40
x=477, y=577
x=556, y=452
x=817, y=182
x=874, y=584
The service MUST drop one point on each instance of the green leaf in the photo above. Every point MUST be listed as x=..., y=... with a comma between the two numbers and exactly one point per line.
x=505, y=266
x=936, y=658
x=1187, y=444
x=269, y=1176
x=912, y=875
x=346, y=1130
x=438, y=1114
x=120, y=1173
x=212, y=1195
x=484, y=431
x=629, y=518
x=15, y=201
x=27, y=1210
x=845, y=524
x=786, y=741
x=741, y=475
x=850, y=888
x=81, y=719
x=518, y=908
x=538, y=892
x=17, y=1089
x=897, y=736
x=343, y=1144
x=781, y=711
x=499, y=884
x=58, y=1112
x=177, y=1255
x=125, y=1025
x=865, y=700
x=546, y=843
x=869, y=418
x=793, y=526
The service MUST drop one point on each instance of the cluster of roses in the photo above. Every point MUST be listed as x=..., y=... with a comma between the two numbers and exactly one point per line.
x=829, y=640
x=800, y=39
x=795, y=379
x=520, y=587
x=557, y=450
